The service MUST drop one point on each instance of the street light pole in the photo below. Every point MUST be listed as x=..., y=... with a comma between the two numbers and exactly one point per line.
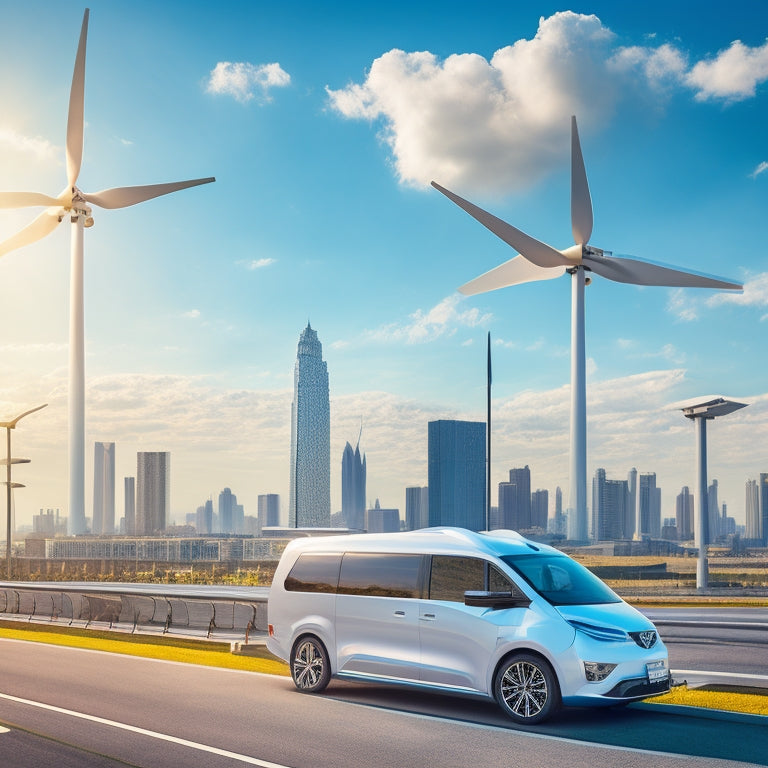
x=9, y=425
x=700, y=411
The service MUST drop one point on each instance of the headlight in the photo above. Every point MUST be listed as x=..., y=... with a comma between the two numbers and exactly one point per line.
x=599, y=633
x=597, y=670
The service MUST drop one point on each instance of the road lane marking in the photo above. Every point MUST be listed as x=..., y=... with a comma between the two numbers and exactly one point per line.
x=144, y=732
x=737, y=675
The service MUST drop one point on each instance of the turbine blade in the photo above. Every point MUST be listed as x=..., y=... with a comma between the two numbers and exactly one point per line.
x=76, y=102
x=26, y=200
x=39, y=227
x=623, y=269
x=122, y=197
x=581, y=202
x=535, y=251
x=513, y=272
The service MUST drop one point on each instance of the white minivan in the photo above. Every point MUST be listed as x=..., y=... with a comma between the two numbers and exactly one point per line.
x=486, y=614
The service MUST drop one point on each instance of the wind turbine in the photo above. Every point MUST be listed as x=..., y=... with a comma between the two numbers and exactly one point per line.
x=75, y=204
x=539, y=261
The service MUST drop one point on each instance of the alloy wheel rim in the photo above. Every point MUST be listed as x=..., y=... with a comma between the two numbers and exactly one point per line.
x=307, y=665
x=524, y=689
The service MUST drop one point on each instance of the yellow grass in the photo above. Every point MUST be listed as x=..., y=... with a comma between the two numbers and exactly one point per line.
x=751, y=703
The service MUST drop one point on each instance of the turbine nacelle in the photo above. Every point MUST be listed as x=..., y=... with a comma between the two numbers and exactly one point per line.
x=577, y=253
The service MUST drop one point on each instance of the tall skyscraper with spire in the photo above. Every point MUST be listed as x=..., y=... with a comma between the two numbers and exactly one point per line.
x=353, y=472
x=309, y=503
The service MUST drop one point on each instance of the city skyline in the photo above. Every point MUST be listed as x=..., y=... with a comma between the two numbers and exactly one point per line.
x=322, y=209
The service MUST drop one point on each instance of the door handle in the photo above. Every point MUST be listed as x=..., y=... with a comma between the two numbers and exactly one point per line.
x=399, y=613
x=427, y=617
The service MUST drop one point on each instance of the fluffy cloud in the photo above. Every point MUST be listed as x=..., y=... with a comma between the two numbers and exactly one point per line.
x=755, y=294
x=259, y=263
x=733, y=75
x=245, y=81
x=761, y=168
x=501, y=124
x=443, y=319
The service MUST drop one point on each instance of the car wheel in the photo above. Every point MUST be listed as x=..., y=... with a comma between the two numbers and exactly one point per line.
x=310, y=668
x=526, y=689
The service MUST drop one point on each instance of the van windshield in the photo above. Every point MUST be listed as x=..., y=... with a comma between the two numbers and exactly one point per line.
x=561, y=580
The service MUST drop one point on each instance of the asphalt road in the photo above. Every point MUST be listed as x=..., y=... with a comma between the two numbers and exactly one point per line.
x=72, y=708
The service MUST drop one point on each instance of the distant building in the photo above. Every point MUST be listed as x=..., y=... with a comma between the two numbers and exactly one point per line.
x=456, y=474
x=515, y=500
x=129, y=505
x=539, y=509
x=309, y=503
x=49, y=523
x=649, y=506
x=713, y=512
x=353, y=478
x=684, y=511
x=757, y=510
x=153, y=492
x=610, y=500
x=416, y=508
x=268, y=511
x=226, y=511
x=631, y=527
x=379, y=520
x=103, y=519
x=559, y=522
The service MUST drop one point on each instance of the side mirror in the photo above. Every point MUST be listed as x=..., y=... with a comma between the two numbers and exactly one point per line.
x=495, y=600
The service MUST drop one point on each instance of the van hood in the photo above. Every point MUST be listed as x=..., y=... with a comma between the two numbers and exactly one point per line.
x=620, y=616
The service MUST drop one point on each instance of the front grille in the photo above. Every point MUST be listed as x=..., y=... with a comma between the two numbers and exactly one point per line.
x=645, y=639
x=638, y=689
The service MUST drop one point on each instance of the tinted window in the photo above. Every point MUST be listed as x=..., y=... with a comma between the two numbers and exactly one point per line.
x=380, y=574
x=452, y=576
x=314, y=573
x=498, y=582
x=561, y=580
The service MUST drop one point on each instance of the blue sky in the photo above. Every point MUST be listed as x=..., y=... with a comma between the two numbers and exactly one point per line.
x=323, y=124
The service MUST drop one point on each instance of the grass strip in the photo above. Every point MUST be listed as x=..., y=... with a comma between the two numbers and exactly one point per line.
x=188, y=651
x=750, y=703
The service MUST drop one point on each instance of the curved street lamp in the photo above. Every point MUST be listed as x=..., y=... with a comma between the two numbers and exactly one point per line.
x=9, y=425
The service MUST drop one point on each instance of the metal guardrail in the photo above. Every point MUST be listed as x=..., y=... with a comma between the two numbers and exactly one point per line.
x=212, y=612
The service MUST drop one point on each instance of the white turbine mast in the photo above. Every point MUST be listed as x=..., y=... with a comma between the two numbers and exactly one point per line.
x=75, y=204
x=539, y=261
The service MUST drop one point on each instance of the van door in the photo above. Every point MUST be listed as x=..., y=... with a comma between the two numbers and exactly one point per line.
x=457, y=641
x=377, y=620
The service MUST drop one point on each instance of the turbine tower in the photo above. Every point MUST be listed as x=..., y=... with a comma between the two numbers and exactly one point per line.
x=75, y=204
x=539, y=261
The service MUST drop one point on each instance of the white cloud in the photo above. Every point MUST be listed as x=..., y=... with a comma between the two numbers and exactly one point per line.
x=40, y=149
x=733, y=75
x=761, y=168
x=193, y=314
x=444, y=319
x=683, y=304
x=501, y=124
x=259, y=263
x=245, y=81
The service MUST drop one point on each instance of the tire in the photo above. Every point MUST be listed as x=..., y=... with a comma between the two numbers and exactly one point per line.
x=526, y=689
x=310, y=668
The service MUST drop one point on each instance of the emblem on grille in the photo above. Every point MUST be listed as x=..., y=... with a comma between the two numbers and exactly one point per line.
x=647, y=639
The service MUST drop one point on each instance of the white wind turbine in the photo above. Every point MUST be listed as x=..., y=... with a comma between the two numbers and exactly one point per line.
x=539, y=261
x=75, y=204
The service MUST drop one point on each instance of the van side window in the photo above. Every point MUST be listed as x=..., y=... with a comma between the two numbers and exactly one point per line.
x=383, y=575
x=452, y=576
x=498, y=582
x=314, y=573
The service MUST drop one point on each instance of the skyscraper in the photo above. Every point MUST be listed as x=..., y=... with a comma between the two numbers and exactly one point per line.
x=539, y=509
x=515, y=500
x=762, y=498
x=103, y=520
x=416, y=508
x=456, y=473
x=684, y=514
x=309, y=503
x=227, y=501
x=153, y=492
x=713, y=512
x=129, y=507
x=269, y=511
x=649, y=506
x=353, y=473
